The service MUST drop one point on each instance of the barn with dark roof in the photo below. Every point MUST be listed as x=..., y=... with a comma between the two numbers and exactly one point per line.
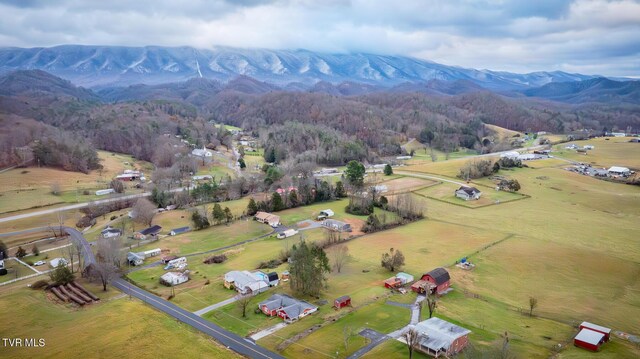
x=436, y=281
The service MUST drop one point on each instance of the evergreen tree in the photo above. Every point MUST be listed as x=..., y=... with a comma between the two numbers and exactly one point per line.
x=355, y=173
x=340, y=192
x=293, y=199
x=218, y=214
x=61, y=274
x=307, y=270
x=199, y=221
x=242, y=164
x=276, y=202
x=228, y=216
x=252, y=208
x=388, y=171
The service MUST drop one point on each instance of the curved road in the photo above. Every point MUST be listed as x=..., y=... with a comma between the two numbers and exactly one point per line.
x=228, y=339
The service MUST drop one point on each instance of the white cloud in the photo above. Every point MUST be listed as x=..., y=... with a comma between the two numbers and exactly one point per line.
x=583, y=35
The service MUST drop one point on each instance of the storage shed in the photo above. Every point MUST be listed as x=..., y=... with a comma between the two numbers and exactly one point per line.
x=343, y=301
x=589, y=339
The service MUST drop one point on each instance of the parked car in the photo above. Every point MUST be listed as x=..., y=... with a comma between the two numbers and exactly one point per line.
x=39, y=263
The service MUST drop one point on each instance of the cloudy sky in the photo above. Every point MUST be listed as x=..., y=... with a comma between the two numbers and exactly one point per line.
x=586, y=36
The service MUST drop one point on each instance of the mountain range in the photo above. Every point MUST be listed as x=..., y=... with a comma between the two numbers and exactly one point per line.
x=117, y=66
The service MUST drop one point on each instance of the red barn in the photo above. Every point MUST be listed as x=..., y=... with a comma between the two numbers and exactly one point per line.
x=438, y=277
x=597, y=328
x=343, y=301
x=589, y=339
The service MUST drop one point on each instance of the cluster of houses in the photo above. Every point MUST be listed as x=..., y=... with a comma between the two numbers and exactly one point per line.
x=579, y=149
x=615, y=172
x=468, y=193
x=536, y=155
x=245, y=282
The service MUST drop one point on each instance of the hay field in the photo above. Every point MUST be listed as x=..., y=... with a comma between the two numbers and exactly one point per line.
x=608, y=151
x=85, y=332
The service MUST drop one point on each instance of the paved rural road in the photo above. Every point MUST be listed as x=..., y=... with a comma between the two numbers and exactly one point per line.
x=228, y=339
x=419, y=175
x=81, y=205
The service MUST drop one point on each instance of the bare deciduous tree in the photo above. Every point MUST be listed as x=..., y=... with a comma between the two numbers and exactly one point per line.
x=348, y=332
x=144, y=211
x=108, y=260
x=339, y=256
x=533, y=303
x=411, y=336
x=430, y=302
x=243, y=302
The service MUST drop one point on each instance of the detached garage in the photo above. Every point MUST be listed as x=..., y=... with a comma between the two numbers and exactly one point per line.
x=589, y=339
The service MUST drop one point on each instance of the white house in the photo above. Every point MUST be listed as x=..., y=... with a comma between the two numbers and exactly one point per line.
x=110, y=232
x=174, y=278
x=588, y=147
x=102, y=192
x=245, y=282
x=619, y=171
x=468, y=193
x=177, y=263
x=202, y=152
x=135, y=259
x=152, y=252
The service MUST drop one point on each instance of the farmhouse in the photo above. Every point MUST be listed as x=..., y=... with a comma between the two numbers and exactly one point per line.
x=438, y=281
x=135, y=259
x=286, y=307
x=173, y=278
x=176, y=231
x=245, y=282
x=203, y=152
x=437, y=337
x=619, y=171
x=336, y=225
x=267, y=218
x=343, y=301
x=288, y=233
x=151, y=231
x=110, y=232
x=468, y=193
x=324, y=214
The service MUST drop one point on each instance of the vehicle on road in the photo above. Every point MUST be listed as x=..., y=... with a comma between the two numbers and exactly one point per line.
x=39, y=263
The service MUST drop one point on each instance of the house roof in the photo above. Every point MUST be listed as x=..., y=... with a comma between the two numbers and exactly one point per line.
x=265, y=216
x=469, y=190
x=151, y=230
x=438, y=334
x=132, y=257
x=173, y=275
x=405, y=276
x=327, y=212
x=343, y=298
x=272, y=276
x=590, y=336
x=618, y=169
x=245, y=280
x=111, y=230
x=439, y=275
x=595, y=327
x=180, y=230
x=335, y=223
x=292, y=307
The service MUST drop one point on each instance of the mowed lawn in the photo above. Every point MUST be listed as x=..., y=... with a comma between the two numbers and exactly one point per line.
x=86, y=332
x=445, y=191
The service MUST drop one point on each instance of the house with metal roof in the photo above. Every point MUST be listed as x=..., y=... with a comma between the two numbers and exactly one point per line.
x=176, y=231
x=135, y=259
x=288, y=308
x=245, y=282
x=589, y=339
x=437, y=337
x=336, y=225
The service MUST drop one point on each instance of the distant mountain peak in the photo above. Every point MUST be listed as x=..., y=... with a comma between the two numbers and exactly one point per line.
x=109, y=66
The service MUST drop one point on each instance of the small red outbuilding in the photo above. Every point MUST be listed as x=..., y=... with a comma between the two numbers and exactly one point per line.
x=589, y=339
x=343, y=301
